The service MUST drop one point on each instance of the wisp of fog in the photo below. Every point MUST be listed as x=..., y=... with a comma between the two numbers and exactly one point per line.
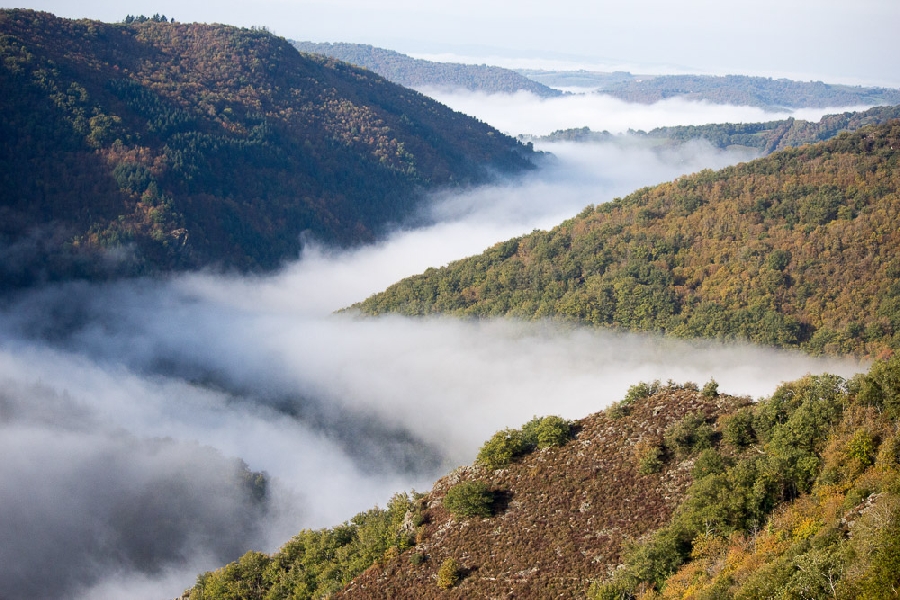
x=136, y=417
x=524, y=113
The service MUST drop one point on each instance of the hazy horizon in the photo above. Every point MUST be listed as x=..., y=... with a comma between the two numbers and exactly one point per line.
x=828, y=40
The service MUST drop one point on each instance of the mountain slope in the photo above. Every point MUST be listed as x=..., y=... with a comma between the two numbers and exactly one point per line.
x=798, y=249
x=674, y=492
x=417, y=73
x=764, y=137
x=742, y=90
x=150, y=146
x=558, y=517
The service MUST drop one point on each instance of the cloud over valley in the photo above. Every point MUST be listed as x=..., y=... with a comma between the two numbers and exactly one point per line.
x=136, y=417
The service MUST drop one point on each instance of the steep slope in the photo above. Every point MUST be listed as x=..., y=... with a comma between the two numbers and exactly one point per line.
x=416, y=73
x=674, y=492
x=559, y=516
x=143, y=147
x=796, y=249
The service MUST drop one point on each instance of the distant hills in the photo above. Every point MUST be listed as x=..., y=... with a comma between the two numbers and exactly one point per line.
x=150, y=146
x=739, y=90
x=764, y=137
x=676, y=491
x=797, y=249
x=416, y=73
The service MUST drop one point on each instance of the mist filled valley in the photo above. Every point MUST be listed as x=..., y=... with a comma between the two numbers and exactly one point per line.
x=155, y=428
x=605, y=304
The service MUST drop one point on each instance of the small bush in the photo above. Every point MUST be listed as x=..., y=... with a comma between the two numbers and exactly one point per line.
x=710, y=389
x=737, y=429
x=708, y=463
x=501, y=449
x=690, y=434
x=650, y=459
x=469, y=499
x=509, y=444
x=417, y=558
x=641, y=390
x=449, y=574
x=545, y=432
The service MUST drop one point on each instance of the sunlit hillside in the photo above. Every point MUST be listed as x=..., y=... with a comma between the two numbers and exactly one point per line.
x=797, y=249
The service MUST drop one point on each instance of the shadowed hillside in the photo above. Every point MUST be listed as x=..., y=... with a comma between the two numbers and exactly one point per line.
x=149, y=146
x=416, y=73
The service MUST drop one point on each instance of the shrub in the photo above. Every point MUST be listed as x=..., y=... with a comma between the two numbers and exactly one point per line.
x=641, y=390
x=545, y=432
x=708, y=463
x=616, y=588
x=737, y=429
x=508, y=444
x=469, y=499
x=690, y=434
x=417, y=558
x=449, y=574
x=650, y=459
x=710, y=389
x=636, y=392
x=501, y=449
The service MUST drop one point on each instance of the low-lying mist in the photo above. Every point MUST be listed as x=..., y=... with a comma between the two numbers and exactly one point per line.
x=126, y=409
x=525, y=113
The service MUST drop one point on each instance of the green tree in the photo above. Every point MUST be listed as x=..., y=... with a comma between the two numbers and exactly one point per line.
x=469, y=499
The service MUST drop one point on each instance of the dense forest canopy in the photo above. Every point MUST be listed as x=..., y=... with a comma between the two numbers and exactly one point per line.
x=147, y=146
x=797, y=249
x=416, y=73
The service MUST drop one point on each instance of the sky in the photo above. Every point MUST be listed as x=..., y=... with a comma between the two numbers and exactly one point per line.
x=828, y=40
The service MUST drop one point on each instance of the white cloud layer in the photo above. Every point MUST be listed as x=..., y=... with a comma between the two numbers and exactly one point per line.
x=524, y=113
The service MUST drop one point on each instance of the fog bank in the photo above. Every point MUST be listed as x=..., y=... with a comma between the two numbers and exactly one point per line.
x=525, y=113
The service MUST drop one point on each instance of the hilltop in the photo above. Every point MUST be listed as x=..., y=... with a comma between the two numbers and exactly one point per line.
x=148, y=146
x=417, y=73
x=797, y=249
x=738, y=90
x=742, y=90
x=674, y=492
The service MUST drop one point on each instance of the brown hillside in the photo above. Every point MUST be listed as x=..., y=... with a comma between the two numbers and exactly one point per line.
x=561, y=515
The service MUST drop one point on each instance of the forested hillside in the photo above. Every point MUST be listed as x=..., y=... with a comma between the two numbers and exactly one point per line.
x=416, y=73
x=764, y=137
x=150, y=146
x=797, y=249
x=741, y=90
x=677, y=491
